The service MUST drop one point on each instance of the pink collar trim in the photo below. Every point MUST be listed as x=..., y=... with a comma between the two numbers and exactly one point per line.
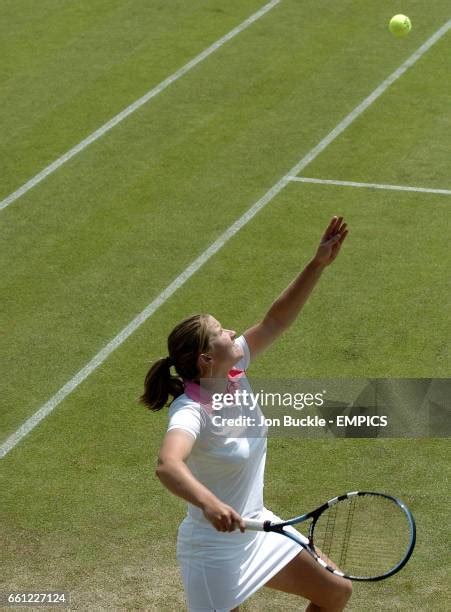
x=193, y=389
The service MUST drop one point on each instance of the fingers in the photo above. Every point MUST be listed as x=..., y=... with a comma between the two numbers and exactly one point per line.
x=229, y=522
x=329, y=230
x=337, y=245
x=343, y=236
x=240, y=522
x=338, y=235
x=336, y=226
x=223, y=517
x=340, y=227
x=332, y=240
x=234, y=521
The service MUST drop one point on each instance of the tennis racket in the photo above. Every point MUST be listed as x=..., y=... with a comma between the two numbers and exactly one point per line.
x=369, y=536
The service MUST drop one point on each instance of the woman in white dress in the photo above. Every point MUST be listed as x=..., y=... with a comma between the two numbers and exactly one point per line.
x=221, y=477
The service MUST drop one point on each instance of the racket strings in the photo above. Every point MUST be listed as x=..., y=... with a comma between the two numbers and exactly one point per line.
x=365, y=535
x=329, y=532
x=348, y=531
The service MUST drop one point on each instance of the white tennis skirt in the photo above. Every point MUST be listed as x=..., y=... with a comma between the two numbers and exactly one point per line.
x=221, y=570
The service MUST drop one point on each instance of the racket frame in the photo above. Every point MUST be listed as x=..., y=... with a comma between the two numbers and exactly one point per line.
x=316, y=513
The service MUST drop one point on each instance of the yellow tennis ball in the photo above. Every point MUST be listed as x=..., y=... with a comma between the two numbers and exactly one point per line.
x=400, y=25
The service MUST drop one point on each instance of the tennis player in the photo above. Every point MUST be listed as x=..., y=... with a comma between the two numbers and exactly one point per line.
x=221, y=477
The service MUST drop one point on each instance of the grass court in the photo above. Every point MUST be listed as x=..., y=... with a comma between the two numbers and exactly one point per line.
x=98, y=239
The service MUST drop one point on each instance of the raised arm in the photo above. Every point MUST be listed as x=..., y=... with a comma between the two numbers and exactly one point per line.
x=288, y=305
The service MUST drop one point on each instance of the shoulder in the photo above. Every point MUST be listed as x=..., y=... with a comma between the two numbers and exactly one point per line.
x=185, y=413
x=183, y=402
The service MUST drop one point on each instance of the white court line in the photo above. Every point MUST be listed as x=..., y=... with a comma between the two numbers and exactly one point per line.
x=302, y=179
x=47, y=408
x=134, y=106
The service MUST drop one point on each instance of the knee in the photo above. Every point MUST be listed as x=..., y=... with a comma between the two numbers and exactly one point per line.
x=343, y=593
x=337, y=597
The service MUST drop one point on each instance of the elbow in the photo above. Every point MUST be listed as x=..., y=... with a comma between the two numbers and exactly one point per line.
x=165, y=468
x=159, y=469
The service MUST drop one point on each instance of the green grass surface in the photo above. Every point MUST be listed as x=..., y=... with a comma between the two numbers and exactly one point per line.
x=88, y=248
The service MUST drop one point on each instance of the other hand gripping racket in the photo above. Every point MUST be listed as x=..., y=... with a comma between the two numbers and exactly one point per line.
x=370, y=536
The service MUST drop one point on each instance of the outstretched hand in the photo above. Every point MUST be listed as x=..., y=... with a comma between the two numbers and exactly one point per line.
x=331, y=241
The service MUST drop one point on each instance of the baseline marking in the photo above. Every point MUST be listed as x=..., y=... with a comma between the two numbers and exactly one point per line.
x=134, y=106
x=302, y=179
x=102, y=355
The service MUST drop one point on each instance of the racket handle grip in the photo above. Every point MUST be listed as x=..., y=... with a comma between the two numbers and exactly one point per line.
x=254, y=525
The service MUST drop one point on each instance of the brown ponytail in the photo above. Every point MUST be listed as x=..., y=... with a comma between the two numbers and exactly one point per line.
x=185, y=343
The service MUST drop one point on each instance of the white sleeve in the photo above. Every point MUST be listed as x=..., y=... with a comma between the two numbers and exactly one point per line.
x=243, y=363
x=187, y=417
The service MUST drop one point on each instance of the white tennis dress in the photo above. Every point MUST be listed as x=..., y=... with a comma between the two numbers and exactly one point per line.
x=221, y=570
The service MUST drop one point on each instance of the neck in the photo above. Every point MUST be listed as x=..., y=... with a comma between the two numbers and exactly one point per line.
x=215, y=384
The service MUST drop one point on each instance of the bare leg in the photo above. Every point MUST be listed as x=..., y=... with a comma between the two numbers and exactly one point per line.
x=305, y=577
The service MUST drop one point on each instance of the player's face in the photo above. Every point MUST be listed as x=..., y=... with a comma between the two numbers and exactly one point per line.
x=224, y=351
